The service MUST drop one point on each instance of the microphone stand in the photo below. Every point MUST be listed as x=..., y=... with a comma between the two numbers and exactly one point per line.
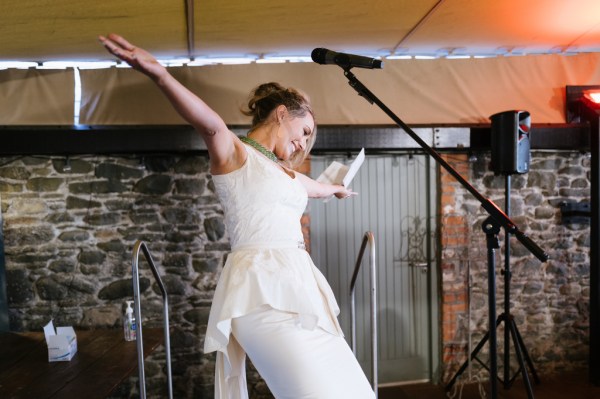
x=491, y=226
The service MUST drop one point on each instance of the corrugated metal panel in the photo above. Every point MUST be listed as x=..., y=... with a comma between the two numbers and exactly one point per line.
x=396, y=202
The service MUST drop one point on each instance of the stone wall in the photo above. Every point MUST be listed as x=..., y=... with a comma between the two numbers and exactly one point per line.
x=69, y=236
x=549, y=301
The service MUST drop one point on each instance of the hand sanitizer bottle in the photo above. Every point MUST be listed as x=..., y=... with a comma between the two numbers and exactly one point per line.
x=129, y=327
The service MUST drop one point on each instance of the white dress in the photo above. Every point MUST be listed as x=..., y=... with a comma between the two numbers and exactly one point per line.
x=268, y=266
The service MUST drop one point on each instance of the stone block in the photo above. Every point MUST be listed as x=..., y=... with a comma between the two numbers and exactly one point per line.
x=192, y=165
x=103, y=219
x=78, y=166
x=98, y=187
x=62, y=266
x=44, y=184
x=50, y=289
x=19, y=288
x=59, y=218
x=113, y=246
x=210, y=265
x=122, y=289
x=74, y=236
x=6, y=187
x=82, y=203
x=214, y=228
x=101, y=317
x=14, y=173
x=190, y=186
x=181, y=216
x=159, y=164
x=91, y=257
x=154, y=185
x=23, y=236
x=112, y=171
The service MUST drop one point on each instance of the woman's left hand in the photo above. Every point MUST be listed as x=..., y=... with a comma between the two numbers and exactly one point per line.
x=345, y=193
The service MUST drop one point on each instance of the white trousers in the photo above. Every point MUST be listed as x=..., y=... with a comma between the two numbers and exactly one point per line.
x=297, y=363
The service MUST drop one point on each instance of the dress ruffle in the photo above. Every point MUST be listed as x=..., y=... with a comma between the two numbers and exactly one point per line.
x=284, y=279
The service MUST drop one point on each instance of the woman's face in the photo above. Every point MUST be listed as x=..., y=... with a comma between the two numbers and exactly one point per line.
x=293, y=134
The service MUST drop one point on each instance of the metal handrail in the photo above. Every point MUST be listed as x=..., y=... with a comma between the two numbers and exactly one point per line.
x=370, y=239
x=138, y=316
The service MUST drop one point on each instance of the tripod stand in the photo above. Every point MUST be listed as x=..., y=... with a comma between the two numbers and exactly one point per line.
x=510, y=326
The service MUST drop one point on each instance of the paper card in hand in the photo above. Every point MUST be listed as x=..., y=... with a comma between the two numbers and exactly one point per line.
x=338, y=173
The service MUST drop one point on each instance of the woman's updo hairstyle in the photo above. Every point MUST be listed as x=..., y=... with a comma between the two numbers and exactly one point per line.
x=267, y=97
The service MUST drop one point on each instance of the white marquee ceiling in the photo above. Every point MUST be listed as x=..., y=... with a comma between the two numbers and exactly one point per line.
x=46, y=30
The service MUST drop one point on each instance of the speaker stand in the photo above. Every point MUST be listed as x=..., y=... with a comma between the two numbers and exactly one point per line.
x=510, y=326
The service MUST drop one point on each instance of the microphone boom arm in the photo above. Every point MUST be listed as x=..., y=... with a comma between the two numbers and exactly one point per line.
x=493, y=210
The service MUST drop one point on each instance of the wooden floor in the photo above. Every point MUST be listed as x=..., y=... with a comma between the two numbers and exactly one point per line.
x=570, y=386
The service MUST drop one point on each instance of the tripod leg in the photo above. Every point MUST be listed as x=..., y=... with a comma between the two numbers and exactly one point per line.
x=472, y=356
x=513, y=330
x=506, y=356
x=466, y=363
x=525, y=353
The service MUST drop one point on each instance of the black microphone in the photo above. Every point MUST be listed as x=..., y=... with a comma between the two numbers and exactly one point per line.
x=324, y=57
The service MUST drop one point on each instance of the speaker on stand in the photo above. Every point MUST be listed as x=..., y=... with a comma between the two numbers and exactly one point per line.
x=510, y=155
x=510, y=144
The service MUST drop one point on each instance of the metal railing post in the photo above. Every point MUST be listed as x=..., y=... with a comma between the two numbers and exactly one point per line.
x=138, y=316
x=367, y=239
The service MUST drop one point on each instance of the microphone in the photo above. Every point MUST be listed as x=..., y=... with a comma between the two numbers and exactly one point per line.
x=323, y=56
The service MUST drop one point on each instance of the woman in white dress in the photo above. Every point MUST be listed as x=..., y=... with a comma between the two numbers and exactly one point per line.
x=271, y=302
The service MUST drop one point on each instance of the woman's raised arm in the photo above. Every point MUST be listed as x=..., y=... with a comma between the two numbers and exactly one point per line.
x=225, y=150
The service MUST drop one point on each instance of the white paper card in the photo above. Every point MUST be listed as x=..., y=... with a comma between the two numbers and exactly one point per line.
x=334, y=174
x=354, y=167
x=338, y=173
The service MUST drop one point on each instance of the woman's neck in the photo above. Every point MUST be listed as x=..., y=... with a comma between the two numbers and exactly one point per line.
x=265, y=136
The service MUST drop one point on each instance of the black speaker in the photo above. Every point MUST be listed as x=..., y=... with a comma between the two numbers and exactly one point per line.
x=510, y=142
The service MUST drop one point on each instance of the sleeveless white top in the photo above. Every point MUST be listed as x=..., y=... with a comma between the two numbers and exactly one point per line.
x=268, y=266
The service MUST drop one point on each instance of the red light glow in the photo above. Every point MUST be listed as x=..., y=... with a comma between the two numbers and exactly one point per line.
x=593, y=96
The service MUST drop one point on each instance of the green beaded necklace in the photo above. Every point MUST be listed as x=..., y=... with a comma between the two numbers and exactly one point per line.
x=260, y=148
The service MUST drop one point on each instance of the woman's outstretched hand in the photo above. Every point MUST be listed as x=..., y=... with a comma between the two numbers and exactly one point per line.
x=344, y=193
x=138, y=58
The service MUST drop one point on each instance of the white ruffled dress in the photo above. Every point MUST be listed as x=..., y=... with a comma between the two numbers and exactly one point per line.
x=268, y=265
